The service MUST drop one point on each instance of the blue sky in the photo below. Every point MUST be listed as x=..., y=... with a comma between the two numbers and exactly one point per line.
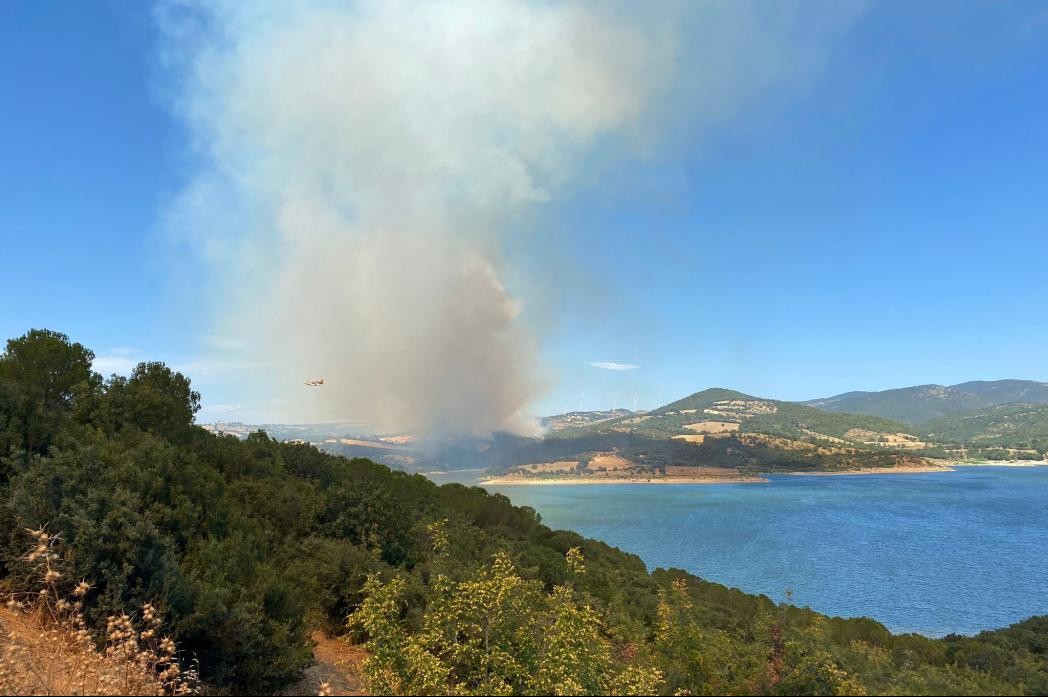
x=884, y=225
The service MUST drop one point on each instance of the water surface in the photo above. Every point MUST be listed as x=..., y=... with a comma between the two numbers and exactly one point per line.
x=932, y=553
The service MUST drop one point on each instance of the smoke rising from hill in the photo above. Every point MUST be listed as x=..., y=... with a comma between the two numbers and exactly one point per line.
x=360, y=164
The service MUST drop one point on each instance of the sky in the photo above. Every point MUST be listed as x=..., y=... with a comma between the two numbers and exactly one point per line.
x=873, y=220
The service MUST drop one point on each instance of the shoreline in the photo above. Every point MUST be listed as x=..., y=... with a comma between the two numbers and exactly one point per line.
x=759, y=479
x=438, y=472
x=871, y=470
x=1000, y=463
x=509, y=481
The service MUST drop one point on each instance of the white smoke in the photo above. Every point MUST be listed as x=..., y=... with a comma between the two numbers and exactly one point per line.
x=360, y=163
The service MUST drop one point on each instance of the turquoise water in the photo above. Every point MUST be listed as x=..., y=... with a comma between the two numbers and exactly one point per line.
x=932, y=553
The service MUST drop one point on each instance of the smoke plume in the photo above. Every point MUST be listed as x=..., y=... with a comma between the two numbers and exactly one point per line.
x=361, y=163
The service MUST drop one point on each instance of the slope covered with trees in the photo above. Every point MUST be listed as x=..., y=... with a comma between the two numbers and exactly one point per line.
x=247, y=546
x=773, y=417
x=1017, y=426
x=752, y=414
x=922, y=403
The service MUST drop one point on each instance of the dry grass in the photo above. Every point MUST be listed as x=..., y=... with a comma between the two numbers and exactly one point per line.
x=702, y=472
x=610, y=462
x=398, y=440
x=748, y=407
x=46, y=648
x=338, y=671
x=780, y=442
x=39, y=658
x=551, y=467
x=697, y=440
x=713, y=427
x=824, y=437
x=886, y=440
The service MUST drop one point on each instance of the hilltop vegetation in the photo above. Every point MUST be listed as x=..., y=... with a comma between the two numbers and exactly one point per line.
x=923, y=403
x=1002, y=419
x=246, y=546
x=752, y=414
x=774, y=417
x=1017, y=426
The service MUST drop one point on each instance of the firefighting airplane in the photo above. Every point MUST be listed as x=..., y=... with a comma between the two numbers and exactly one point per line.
x=315, y=382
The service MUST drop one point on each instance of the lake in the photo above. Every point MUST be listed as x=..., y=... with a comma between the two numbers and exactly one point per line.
x=931, y=553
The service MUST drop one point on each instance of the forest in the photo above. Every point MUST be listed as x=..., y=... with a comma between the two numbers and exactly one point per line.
x=246, y=547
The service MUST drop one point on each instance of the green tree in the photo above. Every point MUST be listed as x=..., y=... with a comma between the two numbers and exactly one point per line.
x=154, y=399
x=496, y=634
x=250, y=545
x=44, y=379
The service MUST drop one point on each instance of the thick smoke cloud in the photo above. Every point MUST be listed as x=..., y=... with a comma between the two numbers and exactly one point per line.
x=361, y=162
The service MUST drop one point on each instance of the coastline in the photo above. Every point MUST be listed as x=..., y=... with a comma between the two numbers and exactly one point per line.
x=872, y=470
x=759, y=479
x=511, y=481
x=1000, y=463
x=437, y=472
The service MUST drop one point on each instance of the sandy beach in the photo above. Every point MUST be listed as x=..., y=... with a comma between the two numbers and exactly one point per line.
x=552, y=481
x=505, y=481
x=945, y=467
x=1001, y=463
x=873, y=470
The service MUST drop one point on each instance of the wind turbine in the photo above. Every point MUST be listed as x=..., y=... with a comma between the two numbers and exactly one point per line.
x=236, y=413
x=581, y=396
x=634, y=398
x=614, y=400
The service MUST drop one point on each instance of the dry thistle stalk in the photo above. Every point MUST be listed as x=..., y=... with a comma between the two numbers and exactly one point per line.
x=49, y=649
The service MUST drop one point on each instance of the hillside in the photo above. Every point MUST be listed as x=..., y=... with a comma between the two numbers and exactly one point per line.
x=774, y=417
x=1016, y=426
x=717, y=411
x=915, y=405
x=249, y=546
x=737, y=433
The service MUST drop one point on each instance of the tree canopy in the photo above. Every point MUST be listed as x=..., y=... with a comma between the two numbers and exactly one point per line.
x=248, y=546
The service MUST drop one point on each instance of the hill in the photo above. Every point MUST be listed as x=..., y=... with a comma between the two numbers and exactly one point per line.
x=1019, y=427
x=775, y=417
x=719, y=411
x=915, y=405
x=735, y=433
x=250, y=545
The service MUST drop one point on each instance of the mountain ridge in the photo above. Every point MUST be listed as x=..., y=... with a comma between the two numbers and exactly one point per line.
x=921, y=403
x=715, y=433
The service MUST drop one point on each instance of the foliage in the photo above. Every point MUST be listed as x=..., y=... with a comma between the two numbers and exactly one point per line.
x=1018, y=426
x=49, y=649
x=154, y=399
x=496, y=634
x=924, y=403
x=44, y=378
x=247, y=546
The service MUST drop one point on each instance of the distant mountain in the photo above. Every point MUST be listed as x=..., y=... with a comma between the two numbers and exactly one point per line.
x=1006, y=391
x=748, y=414
x=915, y=405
